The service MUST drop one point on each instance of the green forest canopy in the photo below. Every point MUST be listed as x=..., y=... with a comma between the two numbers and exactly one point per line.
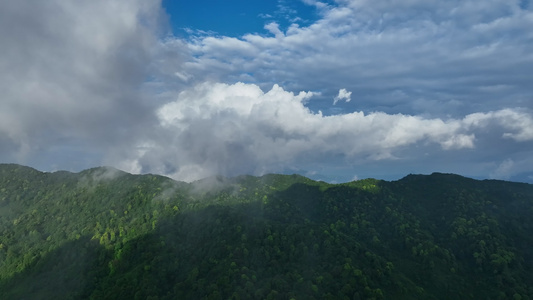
x=106, y=234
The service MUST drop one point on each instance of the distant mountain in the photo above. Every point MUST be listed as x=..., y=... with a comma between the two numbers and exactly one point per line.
x=106, y=234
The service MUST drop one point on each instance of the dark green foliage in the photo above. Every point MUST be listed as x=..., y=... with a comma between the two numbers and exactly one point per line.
x=106, y=234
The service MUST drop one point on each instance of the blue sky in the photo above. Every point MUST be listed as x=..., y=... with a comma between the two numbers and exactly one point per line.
x=235, y=17
x=336, y=90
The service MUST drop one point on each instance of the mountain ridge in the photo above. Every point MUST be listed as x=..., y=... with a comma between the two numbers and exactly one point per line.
x=234, y=178
x=105, y=234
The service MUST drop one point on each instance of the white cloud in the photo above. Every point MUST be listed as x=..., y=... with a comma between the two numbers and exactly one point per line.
x=216, y=128
x=343, y=95
x=433, y=52
x=517, y=124
x=440, y=86
x=71, y=73
x=274, y=29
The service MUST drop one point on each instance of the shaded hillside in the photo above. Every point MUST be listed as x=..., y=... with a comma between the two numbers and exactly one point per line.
x=106, y=234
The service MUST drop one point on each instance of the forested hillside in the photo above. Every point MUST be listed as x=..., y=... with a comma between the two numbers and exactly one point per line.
x=106, y=234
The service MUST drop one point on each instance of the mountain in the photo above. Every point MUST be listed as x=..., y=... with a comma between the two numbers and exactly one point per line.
x=106, y=234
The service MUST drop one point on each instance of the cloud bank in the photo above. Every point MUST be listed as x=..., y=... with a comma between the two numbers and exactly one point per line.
x=217, y=128
x=439, y=86
x=70, y=76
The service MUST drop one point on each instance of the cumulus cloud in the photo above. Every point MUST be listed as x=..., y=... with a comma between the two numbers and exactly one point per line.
x=217, y=128
x=437, y=54
x=71, y=74
x=518, y=125
x=343, y=95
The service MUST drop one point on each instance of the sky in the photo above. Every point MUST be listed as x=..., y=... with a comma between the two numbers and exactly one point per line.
x=335, y=90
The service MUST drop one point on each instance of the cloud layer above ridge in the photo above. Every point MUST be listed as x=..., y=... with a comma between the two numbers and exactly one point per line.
x=217, y=128
x=372, y=88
